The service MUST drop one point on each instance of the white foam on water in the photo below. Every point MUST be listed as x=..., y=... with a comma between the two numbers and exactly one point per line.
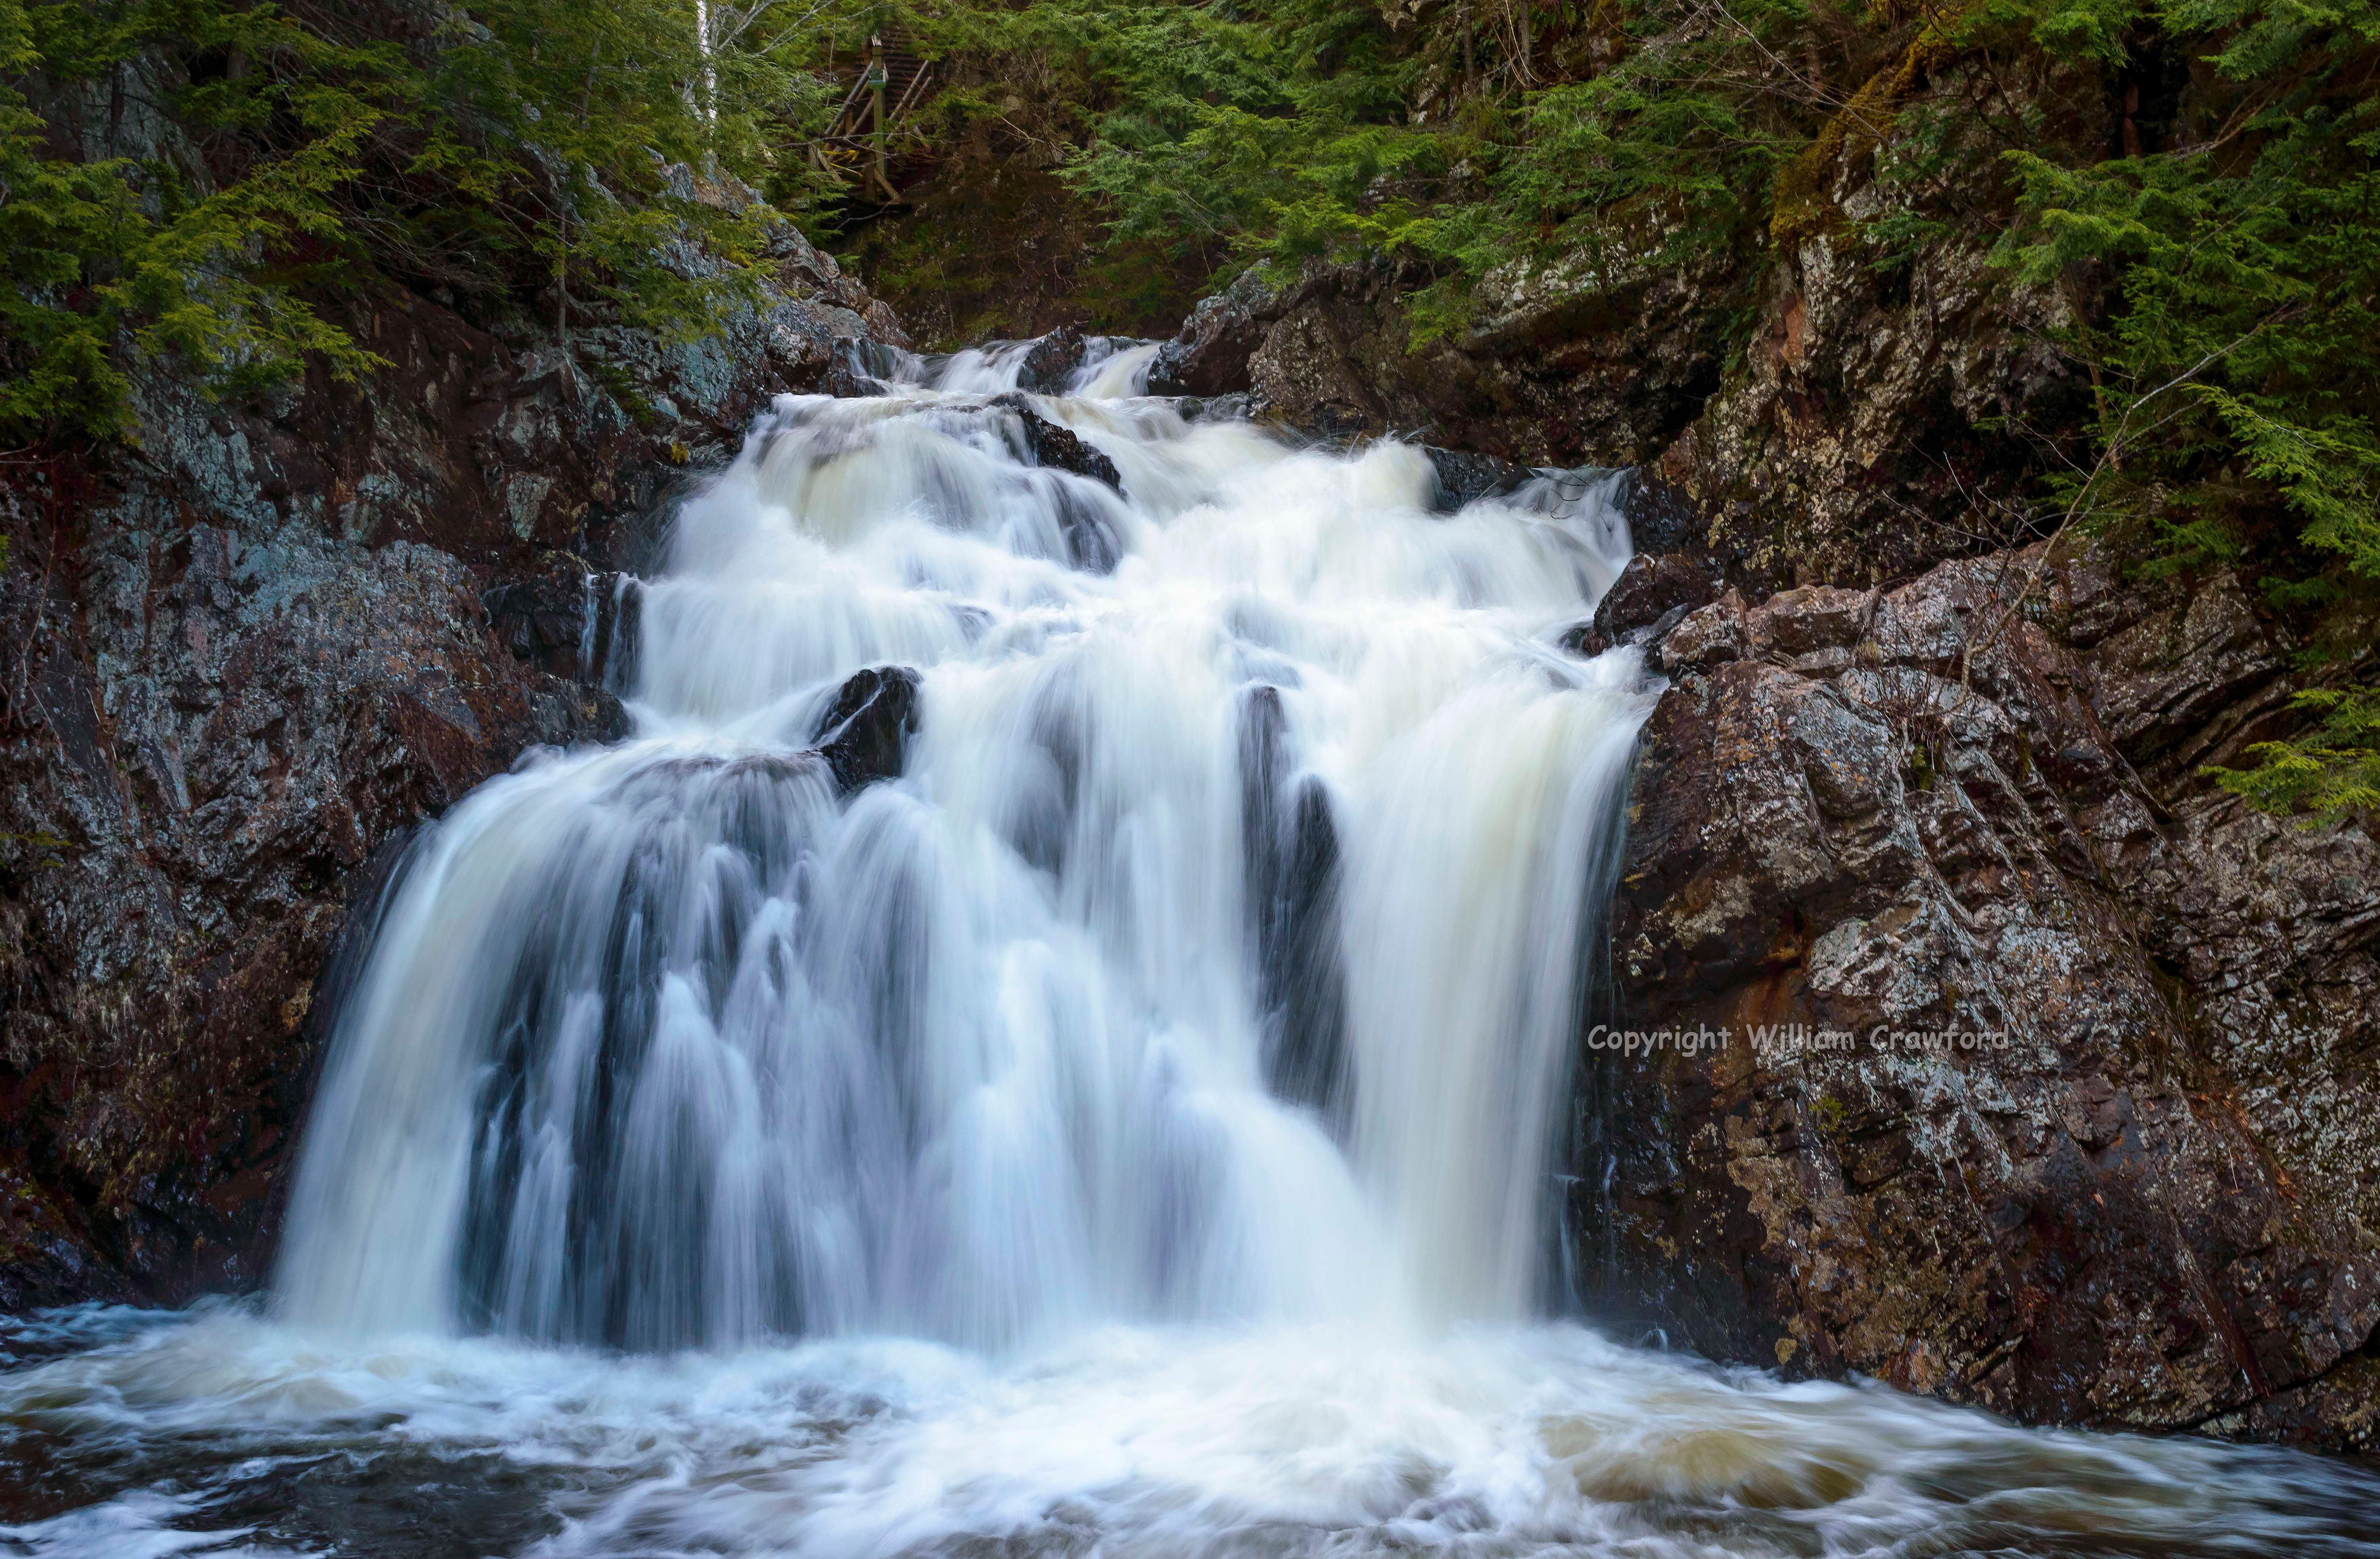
x=1144, y=1441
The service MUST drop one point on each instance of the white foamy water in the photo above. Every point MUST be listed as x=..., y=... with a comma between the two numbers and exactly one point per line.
x=1130, y=1131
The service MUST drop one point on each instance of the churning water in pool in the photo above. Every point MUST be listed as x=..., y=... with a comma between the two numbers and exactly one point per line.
x=1126, y=1130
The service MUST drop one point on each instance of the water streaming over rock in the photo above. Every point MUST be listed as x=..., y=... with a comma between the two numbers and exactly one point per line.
x=1212, y=955
x=1051, y=1033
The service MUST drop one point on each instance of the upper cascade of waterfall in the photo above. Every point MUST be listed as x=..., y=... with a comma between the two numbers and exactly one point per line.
x=1214, y=955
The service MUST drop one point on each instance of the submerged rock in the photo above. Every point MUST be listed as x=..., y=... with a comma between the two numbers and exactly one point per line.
x=1234, y=408
x=1465, y=478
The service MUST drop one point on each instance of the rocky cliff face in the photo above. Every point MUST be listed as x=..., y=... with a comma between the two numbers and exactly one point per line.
x=242, y=663
x=2047, y=1074
x=1865, y=425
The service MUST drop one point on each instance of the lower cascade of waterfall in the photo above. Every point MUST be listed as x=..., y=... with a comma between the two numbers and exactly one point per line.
x=1051, y=1037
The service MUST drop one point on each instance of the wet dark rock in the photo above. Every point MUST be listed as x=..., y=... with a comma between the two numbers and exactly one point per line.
x=1234, y=408
x=1661, y=518
x=2134, y=1184
x=1653, y=594
x=1059, y=448
x=1092, y=542
x=1586, y=639
x=846, y=382
x=863, y=736
x=1050, y=367
x=861, y=367
x=1465, y=478
x=570, y=620
x=1292, y=850
x=1210, y=355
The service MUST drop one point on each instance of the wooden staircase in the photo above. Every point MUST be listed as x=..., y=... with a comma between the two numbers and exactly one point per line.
x=890, y=86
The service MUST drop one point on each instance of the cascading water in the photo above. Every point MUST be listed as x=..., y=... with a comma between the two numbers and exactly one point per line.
x=1211, y=959
x=1048, y=1040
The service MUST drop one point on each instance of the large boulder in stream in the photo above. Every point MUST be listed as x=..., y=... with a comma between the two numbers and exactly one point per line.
x=1050, y=367
x=1210, y=355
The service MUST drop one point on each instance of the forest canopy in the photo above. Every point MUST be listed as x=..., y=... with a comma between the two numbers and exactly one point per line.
x=196, y=182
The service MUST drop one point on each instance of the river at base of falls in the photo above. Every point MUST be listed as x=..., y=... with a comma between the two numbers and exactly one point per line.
x=1128, y=1132
x=135, y=1434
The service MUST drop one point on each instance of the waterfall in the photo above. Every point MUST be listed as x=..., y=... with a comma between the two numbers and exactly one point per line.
x=1048, y=1040
x=1211, y=957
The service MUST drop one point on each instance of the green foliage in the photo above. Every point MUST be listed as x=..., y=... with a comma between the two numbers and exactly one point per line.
x=196, y=183
x=2238, y=418
x=2330, y=773
x=107, y=247
x=1278, y=130
x=2197, y=177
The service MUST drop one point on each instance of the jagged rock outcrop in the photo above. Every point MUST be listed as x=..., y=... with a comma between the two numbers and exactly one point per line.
x=1559, y=368
x=2069, y=1099
x=1209, y=355
x=1879, y=423
x=1871, y=421
x=241, y=662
